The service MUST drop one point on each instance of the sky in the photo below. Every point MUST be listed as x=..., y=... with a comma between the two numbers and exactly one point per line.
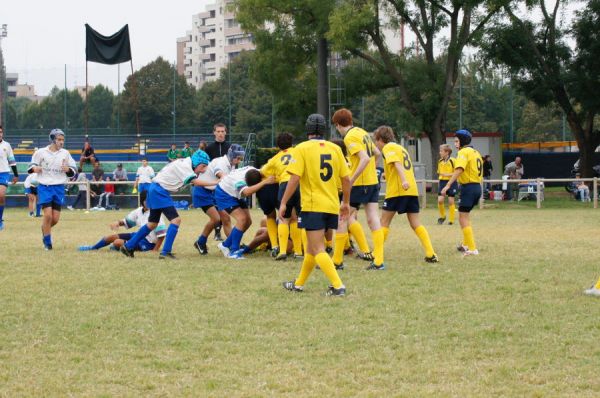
x=44, y=35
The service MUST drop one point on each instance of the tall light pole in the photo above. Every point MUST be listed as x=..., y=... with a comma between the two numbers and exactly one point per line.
x=3, y=88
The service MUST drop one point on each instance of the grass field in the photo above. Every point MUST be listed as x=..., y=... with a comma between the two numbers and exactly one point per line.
x=510, y=322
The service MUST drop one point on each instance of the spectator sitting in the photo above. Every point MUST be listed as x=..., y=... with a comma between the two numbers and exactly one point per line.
x=120, y=174
x=87, y=154
x=186, y=152
x=97, y=175
x=109, y=190
x=173, y=153
x=487, y=170
x=582, y=189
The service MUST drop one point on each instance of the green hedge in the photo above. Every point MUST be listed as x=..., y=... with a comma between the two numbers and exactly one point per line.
x=263, y=155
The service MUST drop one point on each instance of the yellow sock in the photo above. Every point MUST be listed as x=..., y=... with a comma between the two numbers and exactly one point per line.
x=378, y=240
x=283, y=232
x=386, y=232
x=307, y=267
x=597, y=284
x=425, y=241
x=326, y=265
x=329, y=244
x=272, y=231
x=296, y=235
x=451, y=213
x=347, y=243
x=442, y=209
x=469, y=238
x=338, y=250
x=359, y=234
x=304, y=240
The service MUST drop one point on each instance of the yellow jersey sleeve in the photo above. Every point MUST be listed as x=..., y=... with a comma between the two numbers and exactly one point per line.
x=394, y=153
x=357, y=140
x=471, y=162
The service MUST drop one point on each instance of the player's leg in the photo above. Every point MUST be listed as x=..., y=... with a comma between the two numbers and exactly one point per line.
x=174, y=223
x=341, y=235
x=356, y=230
x=283, y=235
x=296, y=234
x=441, y=209
x=469, y=198
x=372, y=212
x=423, y=235
x=105, y=241
x=242, y=223
x=225, y=222
x=2, y=204
x=451, y=210
x=272, y=228
x=386, y=220
x=213, y=215
x=30, y=203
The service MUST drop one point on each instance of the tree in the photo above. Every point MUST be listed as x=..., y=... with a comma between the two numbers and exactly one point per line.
x=100, y=107
x=358, y=28
x=150, y=90
x=547, y=69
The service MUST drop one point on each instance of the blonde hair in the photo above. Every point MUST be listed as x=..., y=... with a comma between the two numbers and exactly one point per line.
x=446, y=148
x=384, y=134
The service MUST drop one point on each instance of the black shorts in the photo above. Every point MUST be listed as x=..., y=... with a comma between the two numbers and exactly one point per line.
x=402, y=204
x=314, y=221
x=267, y=198
x=364, y=194
x=169, y=212
x=452, y=191
x=293, y=202
x=469, y=197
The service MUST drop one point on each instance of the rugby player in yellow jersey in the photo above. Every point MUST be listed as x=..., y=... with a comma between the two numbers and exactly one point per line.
x=401, y=194
x=317, y=166
x=445, y=169
x=288, y=223
x=468, y=170
x=267, y=200
x=363, y=176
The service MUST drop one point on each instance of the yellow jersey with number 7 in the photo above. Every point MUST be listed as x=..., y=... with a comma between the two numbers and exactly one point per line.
x=395, y=153
x=356, y=140
x=320, y=165
x=470, y=161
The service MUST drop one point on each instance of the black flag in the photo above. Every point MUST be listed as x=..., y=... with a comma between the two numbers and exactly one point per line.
x=108, y=50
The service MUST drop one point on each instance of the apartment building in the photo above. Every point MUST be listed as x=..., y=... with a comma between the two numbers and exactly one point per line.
x=214, y=40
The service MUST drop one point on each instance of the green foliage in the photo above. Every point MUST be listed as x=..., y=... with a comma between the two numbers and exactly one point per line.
x=100, y=107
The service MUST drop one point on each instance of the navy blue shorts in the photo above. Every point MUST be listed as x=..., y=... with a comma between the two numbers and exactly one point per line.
x=267, y=198
x=143, y=187
x=4, y=178
x=142, y=246
x=402, y=204
x=31, y=190
x=314, y=221
x=51, y=195
x=452, y=191
x=293, y=202
x=364, y=194
x=469, y=197
x=158, y=197
x=203, y=198
x=228, y=203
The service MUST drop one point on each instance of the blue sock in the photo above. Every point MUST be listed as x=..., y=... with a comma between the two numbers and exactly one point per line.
x=202, y=240
x=227, y=242
x=47, y=240
x=1, y=212
x=245, y=249
x=139, y=235
x=170, y=238
x=101, y=243
x=236, y=239
x=38, y=210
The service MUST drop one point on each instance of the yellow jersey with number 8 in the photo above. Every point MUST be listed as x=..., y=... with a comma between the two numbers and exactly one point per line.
x=471, y=162
x=357, y=140
x=320, y=165
x=395, y=153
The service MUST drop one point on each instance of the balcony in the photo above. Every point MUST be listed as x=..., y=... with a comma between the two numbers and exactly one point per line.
x=204, y=43
x=236, y=48
x=235, y=31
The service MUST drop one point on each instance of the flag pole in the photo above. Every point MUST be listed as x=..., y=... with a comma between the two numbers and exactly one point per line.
x=86, y=98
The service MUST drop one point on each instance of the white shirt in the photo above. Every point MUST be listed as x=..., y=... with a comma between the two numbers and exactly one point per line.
x=51, y=164
x=175, y=175
x=7, y=157
x=145, y=174
x=82, y=177
x=234, y=183
x=31, y=180
x=217, y=165
x=139, y=217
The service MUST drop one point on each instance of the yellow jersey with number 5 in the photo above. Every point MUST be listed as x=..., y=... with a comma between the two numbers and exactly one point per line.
x=471, y=162
x=320, y=165
x=395, y=153
x=357, y=140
